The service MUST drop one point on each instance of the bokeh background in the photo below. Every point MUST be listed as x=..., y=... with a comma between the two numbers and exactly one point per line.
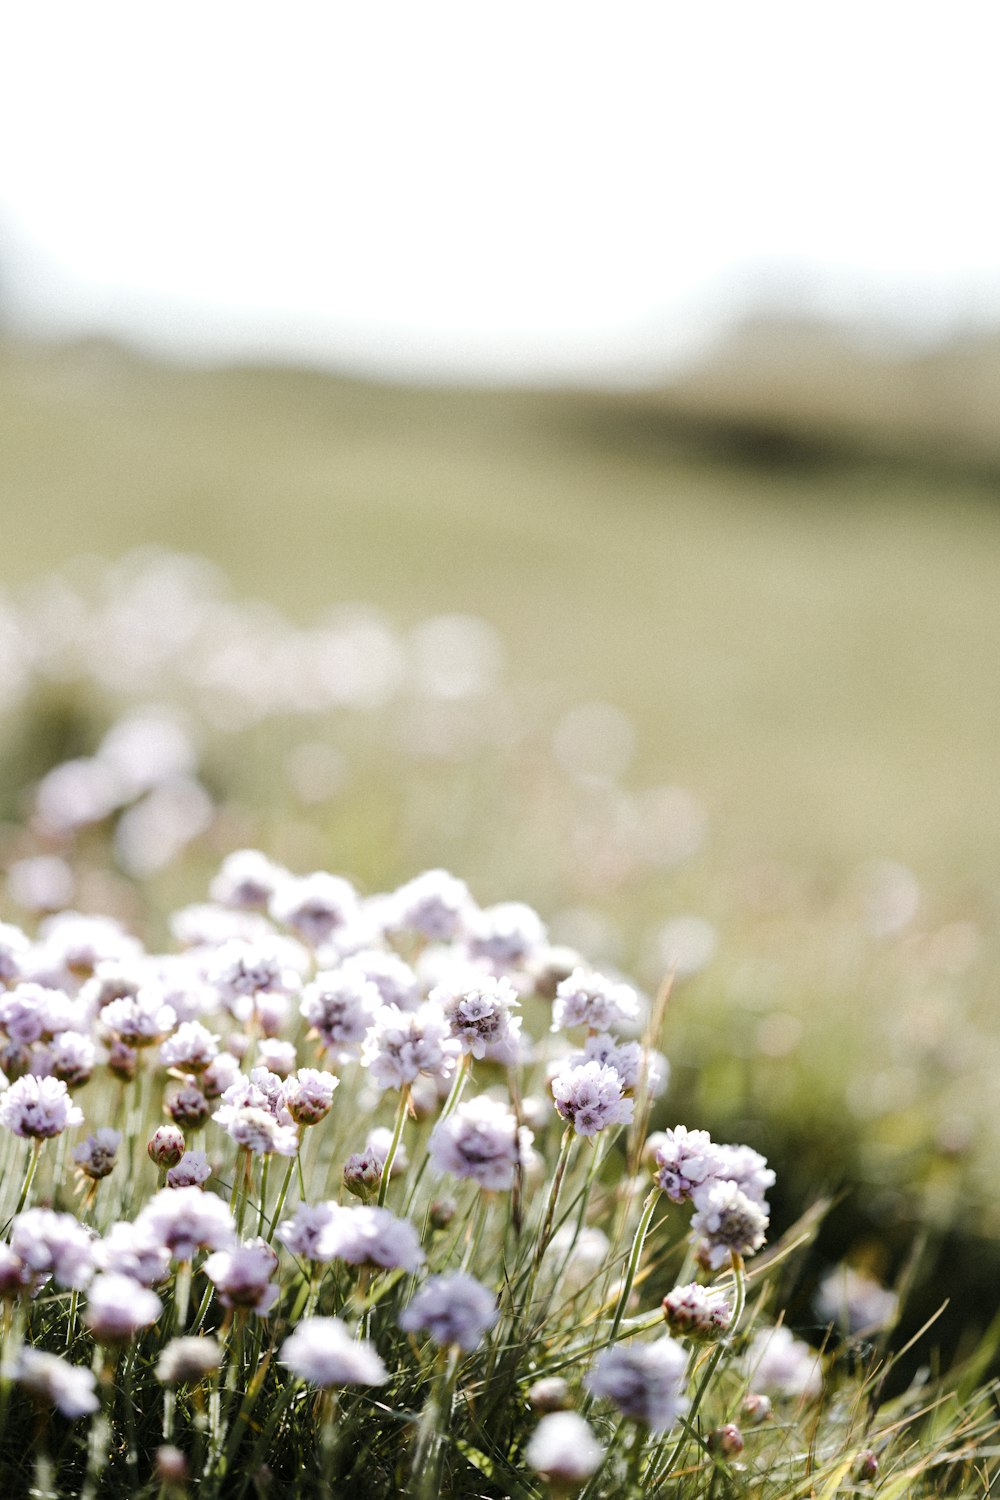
x=562, y=446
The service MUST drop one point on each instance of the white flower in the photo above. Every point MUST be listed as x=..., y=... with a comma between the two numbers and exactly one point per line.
x=192, y=1170
x=858, y=1303
x=96, y=1155
x=403, y=1044
x=588, y=999
x=453, y=1309
x=645, y=1381
x=340, y=1005
x=479, y=1018
x=778, y=1362
x=726, y=1223
x=38, y=1108
x=242, y=1276
x=247, y=879
x=188, y=1358
x=563, y=1448
x=117, y=1307
x=433, y=904
x=590, y=1097
x=325, y=1353
x=185, y=1220
x=54, y=1244
x=313, y=906
x=505, y=936
x=684, y=1160
x=70, y=1388
x=362, y=1236
x=480, y=1140
x=191, y=1048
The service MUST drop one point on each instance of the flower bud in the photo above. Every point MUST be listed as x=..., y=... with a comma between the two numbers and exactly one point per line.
x=550, y=1394
x=188, y=1107
x=171, y=1465
x=726, y=1441
x=122, y=1060
x=441, y=1213
x=166, y=1146
x=362, y=1174
x=756, y=1408
x=867, y=1466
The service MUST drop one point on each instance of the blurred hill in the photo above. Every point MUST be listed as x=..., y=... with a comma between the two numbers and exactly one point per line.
x=789, y=581
x=784, y=386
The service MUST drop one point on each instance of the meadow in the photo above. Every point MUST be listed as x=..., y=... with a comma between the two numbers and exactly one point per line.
x=786, y=790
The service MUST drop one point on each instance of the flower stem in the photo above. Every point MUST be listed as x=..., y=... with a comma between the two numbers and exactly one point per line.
x=642, y=1229
x=404, y=1100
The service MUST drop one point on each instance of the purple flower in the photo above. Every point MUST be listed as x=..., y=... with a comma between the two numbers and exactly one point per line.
x=193, y=1170
x=97, y=1154
x=139, y=1020
x=185, y=1220
x=644, y=1381
x=309, y=1095
x=481, y=1140
x=454, y=1309
x=590, y=1097
x=38, y=1107
x=135, y=1251
x=505, y=936
x=563, y=1448
x=369, y=1236
x=313, y=906
x=340, y=1005
x=694, y=1312
x=69, y=1388
x=403, y=1044
x=433, y=904
x=54, y=1244
x=685, y=1159
x=727, y=1223
x=117, y=1307
x=778, y=1362
x=242, y=1276
x=588, y=999
x=191, y=1048
x=246, y=880
x=303, y=1233
x=480, y=1019
x=325, y=1353
x=189, y=1358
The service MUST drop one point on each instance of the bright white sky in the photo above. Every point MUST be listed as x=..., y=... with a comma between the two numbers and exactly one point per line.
x=518, y=189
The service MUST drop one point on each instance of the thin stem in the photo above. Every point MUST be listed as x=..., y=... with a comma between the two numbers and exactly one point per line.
x=29, y=1174
x=282, y=1195
x=739, y=1302
x=404, y=1100
x=565, y=1148
x=648, y=1209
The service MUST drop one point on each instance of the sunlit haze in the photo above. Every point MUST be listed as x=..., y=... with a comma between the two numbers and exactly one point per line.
x=526, y=191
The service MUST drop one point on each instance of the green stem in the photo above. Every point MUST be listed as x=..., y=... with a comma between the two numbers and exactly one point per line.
x=383, y=1186
x=648, y=1209
x=262, y=1213
x=565, y=1148
x=282, y=1195
x=739, y=1302
x=29, y=1174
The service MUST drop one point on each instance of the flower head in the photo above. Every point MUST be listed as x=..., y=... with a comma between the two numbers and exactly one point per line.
x=403, y=1044
x=588, y=999
x=564, y=1449
x=645, y=1381
x=242, y=1276
x=727, y=1223
x=71, y=1389
x=324, y=1352
x=117, y=1307
x=481, y=1140
x=590, y=1097
x=38, y=1107
x=453, y=1309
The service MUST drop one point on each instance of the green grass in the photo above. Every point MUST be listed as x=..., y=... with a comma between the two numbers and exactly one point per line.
x=811, y=650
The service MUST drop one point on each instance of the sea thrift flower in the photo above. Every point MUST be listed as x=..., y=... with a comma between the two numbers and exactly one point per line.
x=14, y=1274
x=856, y=1302
x=277, y=1056
x=241, y=971
x=71, y=1389
x=303, y=1234
x=139, y=1020
x=454, y=1309
x=117, y=1308
x=694, y=1312
x=134, y=1251
x=370, y=1236
x=309, y=1095
x=727, y=1224
x=363, y=1173
x=481, y=1140
x=96, y=1155
x=588, y=999
x=14, y=950
x=247, y=880
x=191, y=1048
x=403, y=1044
x=325, y=1353
x=185, y=1220
x=192, y=1170
x=726, y=1440
x=684, y=1160
x=340, y=1005
x=72, y=1057
x=778, y=1362
x=313, y=906
x=188, y=1107
x=645, y=1381
x=564, y=1449
x=38, y=1108
x=22, y=1012
x=242, y=1276
x=54, y=1244
x=480, y=1020
x=505, y=936
x=551, y=1393
x=748, y=1169
x=258, y=1130
x=188, y=1359
x=433, y=904
x=395, y=981
x=590, y=1097
x=166, y=1146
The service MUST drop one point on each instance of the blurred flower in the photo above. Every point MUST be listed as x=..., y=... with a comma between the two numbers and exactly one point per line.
x=325, y=1353
x=645, y=1381
x=480, y=1140
x=454, y=1309
x=564, y=1449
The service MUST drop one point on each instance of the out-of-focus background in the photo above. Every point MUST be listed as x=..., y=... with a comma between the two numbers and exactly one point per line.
x=561, y=446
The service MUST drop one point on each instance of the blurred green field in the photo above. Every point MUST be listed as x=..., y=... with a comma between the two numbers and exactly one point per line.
x=812, y=649
x=807, y=642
